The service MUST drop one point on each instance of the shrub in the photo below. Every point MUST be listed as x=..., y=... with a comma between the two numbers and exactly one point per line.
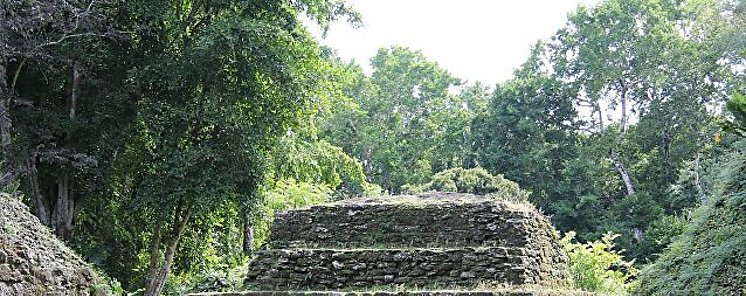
x=222, y=278
x=597, y=267
x=476, y=181
x=284, y=195
x=105, y=285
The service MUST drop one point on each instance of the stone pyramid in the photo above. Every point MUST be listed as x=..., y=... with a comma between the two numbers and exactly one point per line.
x=430, y=241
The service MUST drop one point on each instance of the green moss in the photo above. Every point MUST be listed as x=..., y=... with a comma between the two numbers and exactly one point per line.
x=10, y=228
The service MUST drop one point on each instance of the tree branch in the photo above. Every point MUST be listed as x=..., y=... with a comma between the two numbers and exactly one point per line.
x=15, y=76
x=52, y=43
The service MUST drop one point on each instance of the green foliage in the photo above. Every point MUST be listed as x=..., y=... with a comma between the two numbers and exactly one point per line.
x=318, y=162
x=106, y=286
x=475, y=181
x=737, y=106
x=283, y=195
x=527, y=133
x=555, y=126
x=639, y=211
x=403, y=123
x=708, y=258
x=222, y=278
x=663, y=231
x=597, y=267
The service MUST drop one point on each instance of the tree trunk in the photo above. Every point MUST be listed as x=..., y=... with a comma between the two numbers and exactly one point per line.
x=5, y=126
x=623, y=173
x=63, y=214
x=75, y=84
x=64, y=208
x=158, y=273
x=248, y=233
x=597, y=106
x=637, y=234
x=4, y=106
x=618, y=163
x=623, y=102
x=155, y=253
x=166, y=268
x=3, y=75
x=9, y=173
x=41, y=203
x=616, y=160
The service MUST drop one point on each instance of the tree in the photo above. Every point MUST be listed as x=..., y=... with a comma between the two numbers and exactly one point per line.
x=42, y=53
x=234, y=82
x=528, y=133
x=170, y=116
x=648, y=62
x=405, y=123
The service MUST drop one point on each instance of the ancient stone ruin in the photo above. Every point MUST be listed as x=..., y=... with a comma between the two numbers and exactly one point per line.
x=427, y=242
x=32, y=261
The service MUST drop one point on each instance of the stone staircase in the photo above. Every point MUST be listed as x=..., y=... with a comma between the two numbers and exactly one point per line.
x=430, y=244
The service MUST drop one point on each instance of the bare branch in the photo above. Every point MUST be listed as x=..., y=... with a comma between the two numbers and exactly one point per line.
x=64, y=38
x=15, y=76
x=90, y=5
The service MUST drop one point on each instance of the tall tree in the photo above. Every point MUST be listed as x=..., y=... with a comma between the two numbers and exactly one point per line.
x=236, y=76
x=171, y=116
x=644, y=60
x=404, y=115
x=529, y=132
x=41, y=61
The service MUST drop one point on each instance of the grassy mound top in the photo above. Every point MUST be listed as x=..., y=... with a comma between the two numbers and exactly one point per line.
x=432, y=199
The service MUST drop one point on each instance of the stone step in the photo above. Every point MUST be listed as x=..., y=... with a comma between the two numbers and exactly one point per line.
x=360, y=268
x=495, y=292
x=444, y=220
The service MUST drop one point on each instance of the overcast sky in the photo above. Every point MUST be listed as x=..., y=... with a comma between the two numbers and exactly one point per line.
x=477, y=40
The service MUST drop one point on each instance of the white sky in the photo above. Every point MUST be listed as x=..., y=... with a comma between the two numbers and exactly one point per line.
x=476, y=40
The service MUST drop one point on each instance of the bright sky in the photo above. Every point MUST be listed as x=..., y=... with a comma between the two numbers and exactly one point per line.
x=476, y=40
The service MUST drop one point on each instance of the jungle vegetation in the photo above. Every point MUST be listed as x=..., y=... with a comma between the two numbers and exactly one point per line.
x=157, y=138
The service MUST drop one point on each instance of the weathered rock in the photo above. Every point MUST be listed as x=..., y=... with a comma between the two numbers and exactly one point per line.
x=376, y=267
x=32, y=261
x=443, y=220
x=454, y=240
x=495, y=292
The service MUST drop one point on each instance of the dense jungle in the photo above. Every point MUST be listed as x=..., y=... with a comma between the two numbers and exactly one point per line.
x=158, y=139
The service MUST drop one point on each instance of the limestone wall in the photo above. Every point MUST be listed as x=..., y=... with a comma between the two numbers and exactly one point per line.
x=492, y=292
x=327, y=268
x=407, y=223
x=443, y=240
